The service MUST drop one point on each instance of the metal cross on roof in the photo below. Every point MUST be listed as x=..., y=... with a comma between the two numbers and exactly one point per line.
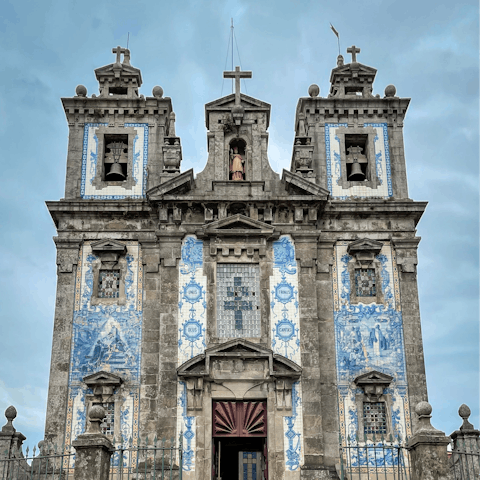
x=119, y=51
x=237, y=75
x=353, y=50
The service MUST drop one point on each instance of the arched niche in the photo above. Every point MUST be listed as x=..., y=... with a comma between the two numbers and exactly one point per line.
x=237, y=166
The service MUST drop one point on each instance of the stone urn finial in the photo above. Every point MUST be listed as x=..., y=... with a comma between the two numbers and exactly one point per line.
x=95, y=416
x=464, y=411
x=10, y=414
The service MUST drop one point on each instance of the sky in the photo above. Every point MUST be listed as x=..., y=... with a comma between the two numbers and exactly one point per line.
x=429, y=50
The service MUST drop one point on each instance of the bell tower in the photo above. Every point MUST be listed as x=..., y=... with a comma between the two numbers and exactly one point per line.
x=352, y=141
x=120, y=142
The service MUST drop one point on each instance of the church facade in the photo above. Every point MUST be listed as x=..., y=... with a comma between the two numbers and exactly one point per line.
x=263, y=318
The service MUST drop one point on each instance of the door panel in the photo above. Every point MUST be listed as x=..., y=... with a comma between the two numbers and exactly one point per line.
x=239, y=419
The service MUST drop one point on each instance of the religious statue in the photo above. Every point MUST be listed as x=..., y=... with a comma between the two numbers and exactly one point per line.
x=237, y=168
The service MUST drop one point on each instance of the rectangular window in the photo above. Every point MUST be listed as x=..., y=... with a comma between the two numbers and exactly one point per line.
x=115, y=157
x=365, y=282
x=108, y=423
x=109, y=284
x=238, y=300
x=374, y=418
x=356, y=161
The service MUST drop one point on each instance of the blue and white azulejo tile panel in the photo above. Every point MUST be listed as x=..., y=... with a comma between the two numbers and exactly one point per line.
x=285, y=331
x=192, y=311
x=369, y=337
x=91, y=156
x=106, y=337
x=192, y=303
x=382, y=164
x=284, y=308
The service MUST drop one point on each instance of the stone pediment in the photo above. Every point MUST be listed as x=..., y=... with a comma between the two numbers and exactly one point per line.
x=232, y=354
x=178, y=185
x=239, y=370
x=364, y=245
x=296, y=184
x=238, y=225
x=373, y=378
x=117, y=70
x=356, y=67
x=110, y=246
x=103, y=378
x=226, y=104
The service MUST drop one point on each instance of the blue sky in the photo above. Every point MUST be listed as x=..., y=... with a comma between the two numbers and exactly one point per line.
x=427, y=49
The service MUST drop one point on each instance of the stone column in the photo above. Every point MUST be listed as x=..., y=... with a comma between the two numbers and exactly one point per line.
x=93, y=449
x=428, y=448
x=465, y=460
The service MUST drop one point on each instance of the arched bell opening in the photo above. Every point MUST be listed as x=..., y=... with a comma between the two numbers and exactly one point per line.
x=237, y=159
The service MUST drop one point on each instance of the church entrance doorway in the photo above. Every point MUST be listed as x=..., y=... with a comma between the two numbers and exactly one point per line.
x=240, y=441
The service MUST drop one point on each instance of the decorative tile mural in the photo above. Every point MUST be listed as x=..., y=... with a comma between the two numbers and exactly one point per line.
x=238, y=300
x=91, y=156
x=192, y=310
x=369, y=337
x=382, y=164
x=285, y=330
x=106, y=338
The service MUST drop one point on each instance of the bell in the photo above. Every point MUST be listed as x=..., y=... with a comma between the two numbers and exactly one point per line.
x=356, y=174
x=115, y=172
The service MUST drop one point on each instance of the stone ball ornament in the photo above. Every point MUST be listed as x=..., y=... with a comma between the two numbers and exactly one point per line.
x=423, y=409
x=313, y=90
x=390, y=91
x=96, y=413
x=81, y=90
x=464, y=411
x=157, y=91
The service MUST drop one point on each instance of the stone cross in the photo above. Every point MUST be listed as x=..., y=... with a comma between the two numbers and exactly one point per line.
x=119, y=52
x=353, y=50
x=237, y=75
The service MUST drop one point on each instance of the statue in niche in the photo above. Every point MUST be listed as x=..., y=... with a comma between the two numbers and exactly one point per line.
x=237, y=168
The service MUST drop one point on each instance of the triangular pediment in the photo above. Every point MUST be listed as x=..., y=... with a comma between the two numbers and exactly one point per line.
x=364, y=245
x=357, y=67
x=239, y=225
x=178, y=185
x=103, y=378
x=109, y=245
x=296, y=184
x=118, y=70
x=239, y=348
x=373, y=377
x=229, y=101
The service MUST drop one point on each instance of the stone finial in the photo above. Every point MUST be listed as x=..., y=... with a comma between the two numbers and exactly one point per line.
x=157, y=91
x=313, y=90
x=10, y=414
x=126, y=57
x=424, y=410
x=81, y=91
x=464, y=412
x=340, y=61
x=171, y=125
x=95, y=416
x=390, y=91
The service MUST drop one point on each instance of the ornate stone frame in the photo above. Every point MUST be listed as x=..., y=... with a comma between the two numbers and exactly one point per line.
x=242, y=240
x=106, y=387
x=373, y=385
x=111, y=256
x=364, y=252
x=372, y=179
x=99, y=181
